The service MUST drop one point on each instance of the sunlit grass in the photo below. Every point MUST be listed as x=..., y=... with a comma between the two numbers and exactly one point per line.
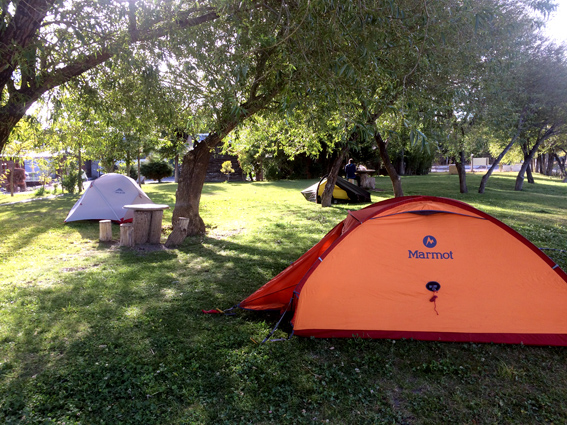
x=94, y=333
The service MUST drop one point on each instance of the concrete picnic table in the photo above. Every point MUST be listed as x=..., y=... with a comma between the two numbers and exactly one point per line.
x=147, y=222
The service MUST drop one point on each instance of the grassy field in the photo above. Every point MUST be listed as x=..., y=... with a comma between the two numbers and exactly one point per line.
x=91, y=333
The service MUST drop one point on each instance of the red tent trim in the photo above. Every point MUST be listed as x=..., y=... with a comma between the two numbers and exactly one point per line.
x=526, y=339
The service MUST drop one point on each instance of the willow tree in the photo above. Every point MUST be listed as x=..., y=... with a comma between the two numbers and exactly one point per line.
x=117, y=113
x=46, y=43
x=404, y=54
x=229, y=70
x=528, y=105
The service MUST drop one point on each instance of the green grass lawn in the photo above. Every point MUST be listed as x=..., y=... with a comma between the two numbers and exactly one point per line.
x=91, y=333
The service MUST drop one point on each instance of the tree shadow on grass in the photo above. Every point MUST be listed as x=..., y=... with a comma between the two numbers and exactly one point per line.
x=23, y=223
x=125, y=341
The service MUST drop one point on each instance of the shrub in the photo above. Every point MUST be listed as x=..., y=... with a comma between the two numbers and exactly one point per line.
x=133, y=173
x=156, y=170
x=227, y=169
x=133, y=170
x=69, y=182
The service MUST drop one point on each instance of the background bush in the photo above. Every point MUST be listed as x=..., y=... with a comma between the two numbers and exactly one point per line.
x=156, y=170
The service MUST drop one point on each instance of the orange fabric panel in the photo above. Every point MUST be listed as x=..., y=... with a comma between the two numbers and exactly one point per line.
x=427, y=205
x=276, y=294
x=491, y=282
x=405, y=203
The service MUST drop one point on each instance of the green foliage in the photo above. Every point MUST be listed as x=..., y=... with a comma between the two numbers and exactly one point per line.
x=133, y=170
x=402, y=149
x=279, y=166
x=70, y=181
x=134, y=173
x=156, y=170
x=40, y=192
x=226, y=168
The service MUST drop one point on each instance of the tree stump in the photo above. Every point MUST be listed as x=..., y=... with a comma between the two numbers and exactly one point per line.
x=126, y=234
x=105, y=230
x=179, y=232
x=142, y=221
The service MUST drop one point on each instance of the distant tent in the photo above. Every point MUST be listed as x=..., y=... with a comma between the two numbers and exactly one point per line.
x=104, y=198
x=344, y=192
x=425, y=268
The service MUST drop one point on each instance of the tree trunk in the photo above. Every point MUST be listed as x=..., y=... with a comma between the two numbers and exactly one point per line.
x=526, y=164
x=529, y=173
x=179, y=233
x=191, y=181
x=550, y=163
x=12, y=169
x=528, y=161
x=80, y=178
x=196, y=161
x=176, y=168
x=485, y=178
x=520, y=177
x=394, y=177
x=139, y=170
x=327, y=197
x=128, y=163
x=561, y=164
x=462, y=172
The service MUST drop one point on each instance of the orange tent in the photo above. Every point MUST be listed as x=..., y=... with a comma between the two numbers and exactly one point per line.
x=426, y=268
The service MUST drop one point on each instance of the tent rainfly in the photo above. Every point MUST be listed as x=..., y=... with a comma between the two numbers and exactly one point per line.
x=425, y=268
x=104, y=198
x=344, y=192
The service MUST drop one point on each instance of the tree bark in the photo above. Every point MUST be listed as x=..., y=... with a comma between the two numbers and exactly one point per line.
x=529, y=173
x=176, y=178
x=520, y=178
x=12, y=170
x=191, y=181
x=550, y=163
x=528, y=161
x=179, y=233
x=462, y=172
x=20, y=100
x=394, y=176
x=259, y=170
x=80, y=171
x=561, y=164
x=327, y=197
x=139, y=170
x=485, y=178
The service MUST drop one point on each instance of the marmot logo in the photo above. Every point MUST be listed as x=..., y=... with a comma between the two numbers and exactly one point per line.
x=119, y=191
x=429, y=241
